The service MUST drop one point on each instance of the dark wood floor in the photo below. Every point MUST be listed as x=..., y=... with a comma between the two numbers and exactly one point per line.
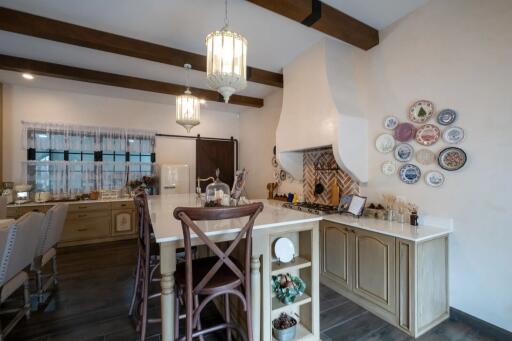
x=94, y=294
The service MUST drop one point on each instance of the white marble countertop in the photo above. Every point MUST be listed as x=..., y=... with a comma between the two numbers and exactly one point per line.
x=390, y=228
x=168, y=229
x=71, y=202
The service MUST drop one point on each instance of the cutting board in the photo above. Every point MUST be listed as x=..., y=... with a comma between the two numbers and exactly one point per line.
x=335, y=193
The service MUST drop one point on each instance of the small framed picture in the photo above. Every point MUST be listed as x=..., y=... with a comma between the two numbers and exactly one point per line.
x=356, y=206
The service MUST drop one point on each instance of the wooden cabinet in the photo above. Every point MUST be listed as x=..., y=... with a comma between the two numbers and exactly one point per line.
x=89, y=222
x=374, y=268
x=336, y=254
x=403, y=282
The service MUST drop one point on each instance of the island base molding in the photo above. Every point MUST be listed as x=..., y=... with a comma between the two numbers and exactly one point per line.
x=403, y=282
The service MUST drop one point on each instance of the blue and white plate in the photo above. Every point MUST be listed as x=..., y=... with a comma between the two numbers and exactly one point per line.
x=410, y=174
x=390, y=122
x=404, y=152
x=446, y=117
x=434, y=179
x=453, y=135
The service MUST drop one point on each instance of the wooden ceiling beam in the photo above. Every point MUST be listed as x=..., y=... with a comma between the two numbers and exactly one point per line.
x=326, y=19
x=46, y=28
x=36, y=67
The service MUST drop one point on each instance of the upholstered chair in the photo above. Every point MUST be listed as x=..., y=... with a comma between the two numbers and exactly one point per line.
x=51, y=231
x=3, y=207
x=18, y=243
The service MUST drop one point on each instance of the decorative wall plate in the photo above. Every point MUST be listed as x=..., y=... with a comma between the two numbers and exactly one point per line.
x=282, y=175
x=404, y=152
x=425, y=157
x=385, y=143
x=274, y=162
x=284, y=250
x=421, y=111
x=427, y=134
x=446, y=117
x=390, y=122
x=388, y=168
x=410, y=174
x=452, y=159
x=453, y=135
x=434, y=179
x=405, y=132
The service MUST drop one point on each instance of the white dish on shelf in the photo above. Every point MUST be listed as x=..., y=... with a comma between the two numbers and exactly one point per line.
x=284, y=250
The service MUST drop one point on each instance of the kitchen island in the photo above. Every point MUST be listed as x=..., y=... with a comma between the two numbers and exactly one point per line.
x=273, y=222
x=396, y=270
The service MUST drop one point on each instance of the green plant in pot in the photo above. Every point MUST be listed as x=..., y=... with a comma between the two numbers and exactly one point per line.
x=284, y=328
x=287, y=287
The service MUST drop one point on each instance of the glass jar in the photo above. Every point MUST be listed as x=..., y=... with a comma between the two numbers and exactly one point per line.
x=217, y=193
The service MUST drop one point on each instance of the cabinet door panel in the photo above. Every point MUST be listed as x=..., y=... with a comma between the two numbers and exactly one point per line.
x=375, y=268
x=123, y=222
x=335, y=254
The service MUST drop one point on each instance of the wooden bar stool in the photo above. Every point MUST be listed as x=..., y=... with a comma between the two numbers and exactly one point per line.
x=147, y=263
x=217, y=276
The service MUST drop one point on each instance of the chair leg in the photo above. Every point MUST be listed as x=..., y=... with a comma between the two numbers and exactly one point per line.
x=176, y=315
x=248, y=314
x=26, y=296
x=135, y=286
x=144, y=306
x=199, y=327
x=227, y=316
x=39, y=285
x=54, y=271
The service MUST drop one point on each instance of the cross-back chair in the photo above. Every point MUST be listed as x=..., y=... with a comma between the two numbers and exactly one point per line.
x=211, y=277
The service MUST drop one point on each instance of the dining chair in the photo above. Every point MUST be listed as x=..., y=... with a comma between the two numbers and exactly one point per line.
x=18, y=244
x=147, y=263
x=3, y=207
x=51, y=231
x=216, y=276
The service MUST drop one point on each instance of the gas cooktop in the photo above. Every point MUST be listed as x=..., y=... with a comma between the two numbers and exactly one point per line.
x=311, y=207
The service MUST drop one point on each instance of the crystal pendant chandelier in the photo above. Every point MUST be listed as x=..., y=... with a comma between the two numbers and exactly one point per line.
x=226, y=60
x=188, y=107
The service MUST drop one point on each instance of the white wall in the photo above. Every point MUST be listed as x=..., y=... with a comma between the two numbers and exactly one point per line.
x=114, y=108
x=458, y=54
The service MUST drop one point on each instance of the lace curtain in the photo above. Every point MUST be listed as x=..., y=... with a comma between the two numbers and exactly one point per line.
x=68, y=178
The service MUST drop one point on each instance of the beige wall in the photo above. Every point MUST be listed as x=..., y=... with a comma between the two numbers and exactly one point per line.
x=257, y=139
x=458, y=54
x=115, y=108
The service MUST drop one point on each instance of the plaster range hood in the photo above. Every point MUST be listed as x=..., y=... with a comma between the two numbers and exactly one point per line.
x=323, y=106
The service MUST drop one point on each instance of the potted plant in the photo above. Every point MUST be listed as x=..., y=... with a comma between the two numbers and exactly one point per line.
x=287, y=287
x=284, y=328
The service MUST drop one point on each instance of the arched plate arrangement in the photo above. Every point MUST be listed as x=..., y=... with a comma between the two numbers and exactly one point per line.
x=404, y=152
x=434, y=179
x=446, y=117
x=452, y=159
x=421, y=111
x=410, y=174
x=427, y=134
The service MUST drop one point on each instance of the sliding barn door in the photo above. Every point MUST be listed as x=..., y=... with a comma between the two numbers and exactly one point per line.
x=210, y=155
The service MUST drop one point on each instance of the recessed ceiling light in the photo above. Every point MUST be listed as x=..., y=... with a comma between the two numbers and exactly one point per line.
x=202, y=101
x=27, y=76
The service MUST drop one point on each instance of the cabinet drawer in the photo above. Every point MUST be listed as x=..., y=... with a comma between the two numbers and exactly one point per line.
x=81, y=216
x=86, y=228
x=39, y=208
x=123, y=205
x=85, y=207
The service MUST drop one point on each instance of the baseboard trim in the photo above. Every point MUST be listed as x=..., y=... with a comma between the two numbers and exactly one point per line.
x=486, y=328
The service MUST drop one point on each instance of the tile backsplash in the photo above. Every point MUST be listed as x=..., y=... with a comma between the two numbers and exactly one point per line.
x=324, y=158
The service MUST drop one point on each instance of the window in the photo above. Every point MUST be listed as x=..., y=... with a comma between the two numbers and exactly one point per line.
x=68, y=160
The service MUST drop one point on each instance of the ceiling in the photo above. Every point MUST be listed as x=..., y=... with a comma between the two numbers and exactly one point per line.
x=274, y=41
